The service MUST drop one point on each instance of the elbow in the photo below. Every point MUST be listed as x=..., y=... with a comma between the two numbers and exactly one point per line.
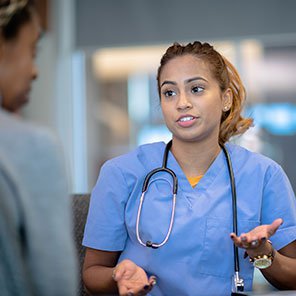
x=86, y=282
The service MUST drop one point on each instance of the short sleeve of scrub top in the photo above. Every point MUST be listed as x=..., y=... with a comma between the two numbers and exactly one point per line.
x=279, y=202
x=105, y=227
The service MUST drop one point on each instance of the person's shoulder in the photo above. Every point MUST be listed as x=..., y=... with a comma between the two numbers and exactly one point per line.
x=141, y=154
x=26, y=144
x=18, y=131
x=244, y=156
x=150, y=148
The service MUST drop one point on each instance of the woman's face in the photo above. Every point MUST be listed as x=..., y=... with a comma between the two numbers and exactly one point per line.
x=191, y=99
x=17, y=67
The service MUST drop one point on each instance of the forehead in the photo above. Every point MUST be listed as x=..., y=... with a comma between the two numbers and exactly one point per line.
x=30, y=31
x=33, y=28
x=186, y=66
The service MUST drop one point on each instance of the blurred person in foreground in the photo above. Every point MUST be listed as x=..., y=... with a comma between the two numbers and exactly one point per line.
x=36, y=243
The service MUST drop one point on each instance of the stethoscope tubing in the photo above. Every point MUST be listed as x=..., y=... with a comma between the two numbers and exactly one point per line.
x=239, y=283
x=149, y=243
x=163, y=168
x=234, y=206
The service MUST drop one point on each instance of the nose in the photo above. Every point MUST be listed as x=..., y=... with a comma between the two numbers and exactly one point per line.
x=183, y=102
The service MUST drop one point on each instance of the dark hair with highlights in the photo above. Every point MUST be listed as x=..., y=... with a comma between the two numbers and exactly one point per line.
x=14, y=19
x=232, y=122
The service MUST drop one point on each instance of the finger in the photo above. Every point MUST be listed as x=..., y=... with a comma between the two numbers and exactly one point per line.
x=146, y=289
x=236, y=240
x=114, y=274
x=254, y=243
x=243, y=241
x=258, y=241
x=152, y=281
x=122, y=290
x=246, y=240
x=274, y=226
x=118, y=273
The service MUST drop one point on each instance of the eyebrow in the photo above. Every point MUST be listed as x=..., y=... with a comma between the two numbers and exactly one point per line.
x=186, y=81
x=195, y=78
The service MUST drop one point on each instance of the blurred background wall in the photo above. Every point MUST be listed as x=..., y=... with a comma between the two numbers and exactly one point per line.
x=137, y=22
x=98, y=61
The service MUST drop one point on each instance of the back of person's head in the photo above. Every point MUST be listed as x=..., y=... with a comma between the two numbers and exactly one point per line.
x=19, y=33
x=232, y=122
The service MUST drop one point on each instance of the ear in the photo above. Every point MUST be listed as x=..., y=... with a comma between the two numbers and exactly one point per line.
x=227, y=99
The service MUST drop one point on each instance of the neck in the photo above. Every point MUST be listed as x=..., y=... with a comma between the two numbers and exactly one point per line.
x=195, y=157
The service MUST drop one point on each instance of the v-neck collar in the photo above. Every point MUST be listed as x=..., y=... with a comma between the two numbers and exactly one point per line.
x=206, y=180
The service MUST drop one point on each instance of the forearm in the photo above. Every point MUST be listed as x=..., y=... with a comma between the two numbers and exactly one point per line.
x=282, y=273
x=98, y=279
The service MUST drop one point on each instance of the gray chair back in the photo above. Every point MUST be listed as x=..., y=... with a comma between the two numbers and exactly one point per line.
x=80, y=204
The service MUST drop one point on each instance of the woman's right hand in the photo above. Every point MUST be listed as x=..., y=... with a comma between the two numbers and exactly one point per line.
x=132, y=279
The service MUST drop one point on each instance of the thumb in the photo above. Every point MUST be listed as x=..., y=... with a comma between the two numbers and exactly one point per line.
x=274, y=226
x=118, y=273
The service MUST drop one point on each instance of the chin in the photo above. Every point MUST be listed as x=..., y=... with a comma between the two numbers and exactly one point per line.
x=20, y=103
x=23, y=101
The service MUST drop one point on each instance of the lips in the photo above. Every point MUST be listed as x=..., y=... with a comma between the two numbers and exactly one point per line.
x=186, y=117
x=186, y=120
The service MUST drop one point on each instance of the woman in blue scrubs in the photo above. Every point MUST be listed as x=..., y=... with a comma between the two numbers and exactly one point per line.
x=201, y=97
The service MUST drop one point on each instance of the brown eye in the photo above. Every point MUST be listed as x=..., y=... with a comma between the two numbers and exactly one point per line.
x=197, y=89
x=169, y=93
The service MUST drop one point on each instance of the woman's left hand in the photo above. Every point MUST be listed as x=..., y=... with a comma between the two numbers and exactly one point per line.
x=255, y=240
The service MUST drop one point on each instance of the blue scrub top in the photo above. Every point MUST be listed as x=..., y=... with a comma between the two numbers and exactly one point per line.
x=198, y=257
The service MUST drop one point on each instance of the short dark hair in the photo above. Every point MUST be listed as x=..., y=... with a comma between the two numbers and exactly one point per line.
x=10, y=29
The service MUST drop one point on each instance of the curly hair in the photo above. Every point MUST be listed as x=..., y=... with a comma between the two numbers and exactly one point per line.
x=232, y=122
x=13, y=15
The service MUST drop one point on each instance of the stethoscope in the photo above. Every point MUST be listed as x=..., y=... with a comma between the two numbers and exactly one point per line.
x=238, y=282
